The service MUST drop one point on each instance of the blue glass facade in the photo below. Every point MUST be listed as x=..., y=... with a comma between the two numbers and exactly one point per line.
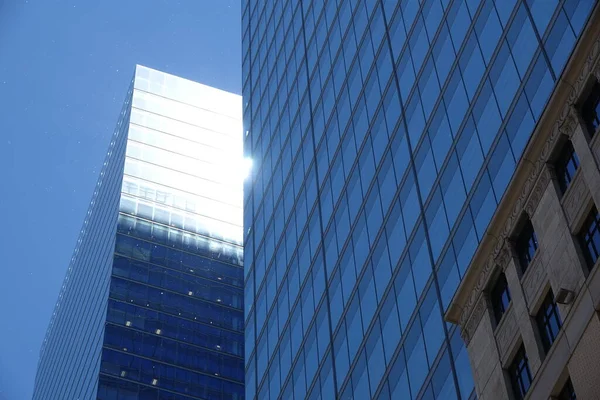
x=383, y=135
x=168, y=306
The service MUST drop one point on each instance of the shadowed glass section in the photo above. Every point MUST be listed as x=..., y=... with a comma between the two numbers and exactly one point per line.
x=383, y=135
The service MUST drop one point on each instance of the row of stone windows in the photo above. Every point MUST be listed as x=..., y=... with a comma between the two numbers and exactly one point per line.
x=526, y=244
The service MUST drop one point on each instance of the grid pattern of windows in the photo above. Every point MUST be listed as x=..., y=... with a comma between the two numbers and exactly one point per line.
x=520, y=375
x=566, y=165
x=590, y=110
x=383, y=134
x=526, y=245
x=590, y=237
x=65, y=369
x=174, y=321
x=158, y=278
x=548, y=321
x=500, y=297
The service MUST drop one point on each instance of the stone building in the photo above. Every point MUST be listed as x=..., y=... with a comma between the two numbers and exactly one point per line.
x=529, y=305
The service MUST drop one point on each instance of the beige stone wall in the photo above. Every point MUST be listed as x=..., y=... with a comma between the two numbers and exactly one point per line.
x=584, y=365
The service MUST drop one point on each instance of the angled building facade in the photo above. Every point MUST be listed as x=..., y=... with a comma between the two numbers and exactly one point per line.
x=152, y=304
x=383, y=136
x=529, y=305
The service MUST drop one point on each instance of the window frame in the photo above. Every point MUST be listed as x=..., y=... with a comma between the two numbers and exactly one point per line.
x=568, y=391
x=593, y=96
x=547, y=313
x=518, y=366
x=587, y=229
x=526, y=240
x=497, y=292
x=567, y=158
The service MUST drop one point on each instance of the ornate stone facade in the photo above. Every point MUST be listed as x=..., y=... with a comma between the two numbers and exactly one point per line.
x=558, y=264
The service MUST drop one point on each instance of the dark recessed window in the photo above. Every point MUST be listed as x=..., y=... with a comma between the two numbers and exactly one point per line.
x=568, y=391
x=520, y=375
x=590, y=237
x=526, y=245
x=500, y=297
x=548, y=321
x=566, y=166
x=590, y=110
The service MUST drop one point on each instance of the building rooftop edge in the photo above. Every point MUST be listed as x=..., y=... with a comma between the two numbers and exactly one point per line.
x=192, y=82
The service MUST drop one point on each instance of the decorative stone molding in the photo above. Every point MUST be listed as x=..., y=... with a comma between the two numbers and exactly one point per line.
x=468, y=329
x=565, y=122
x=506, y=333
x=538, y=191
x=577, y=194
x=505, y=256
x=533, y=281
x=569, y=125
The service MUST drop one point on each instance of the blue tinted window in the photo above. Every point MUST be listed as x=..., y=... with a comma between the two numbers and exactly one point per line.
x=520, y=125
x=426, y=170
x=410, y=203
x=461, y=363
x=539, y=86
x=416, y=358
x=435, y=216
x=469, y=153
x=432, y=12
x=390, y=325
x=453, y=189
x=395, y=233
x=398, y=379
x=559, y=43
x=471, y=64
x=440, y=134
x=541, y=11
x=456, y=100
x=406, y=74
x=405, y=290
x=360, y=378
x=501, y=166
x=429, y=87
x=431, y=318
x=458, y=21
x=504, y=78
x=522, y=40
x=488, y=29
x=577, y=12
x=443, y=53
x=486, y=116
x=483, y=205
x=448, y=277
x=418, y=44
x=465, y=242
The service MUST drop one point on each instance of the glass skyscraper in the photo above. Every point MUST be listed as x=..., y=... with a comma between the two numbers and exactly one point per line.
x=152, y=303
x=383, y=135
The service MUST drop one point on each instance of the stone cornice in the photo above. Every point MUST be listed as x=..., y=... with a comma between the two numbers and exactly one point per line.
x=529, y=181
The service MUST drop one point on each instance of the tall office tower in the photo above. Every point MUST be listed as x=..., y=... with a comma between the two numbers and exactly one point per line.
x=383, y=135
x=151, y=305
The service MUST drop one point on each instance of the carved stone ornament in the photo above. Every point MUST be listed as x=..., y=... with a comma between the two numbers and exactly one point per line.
x=468, y=330
x=536, y=276
x=570, y=123
x=578, y=193
x=538, y=192
x=564, y=122
x=506, y=332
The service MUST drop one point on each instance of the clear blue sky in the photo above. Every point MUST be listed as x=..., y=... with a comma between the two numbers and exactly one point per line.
x=65, y=66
